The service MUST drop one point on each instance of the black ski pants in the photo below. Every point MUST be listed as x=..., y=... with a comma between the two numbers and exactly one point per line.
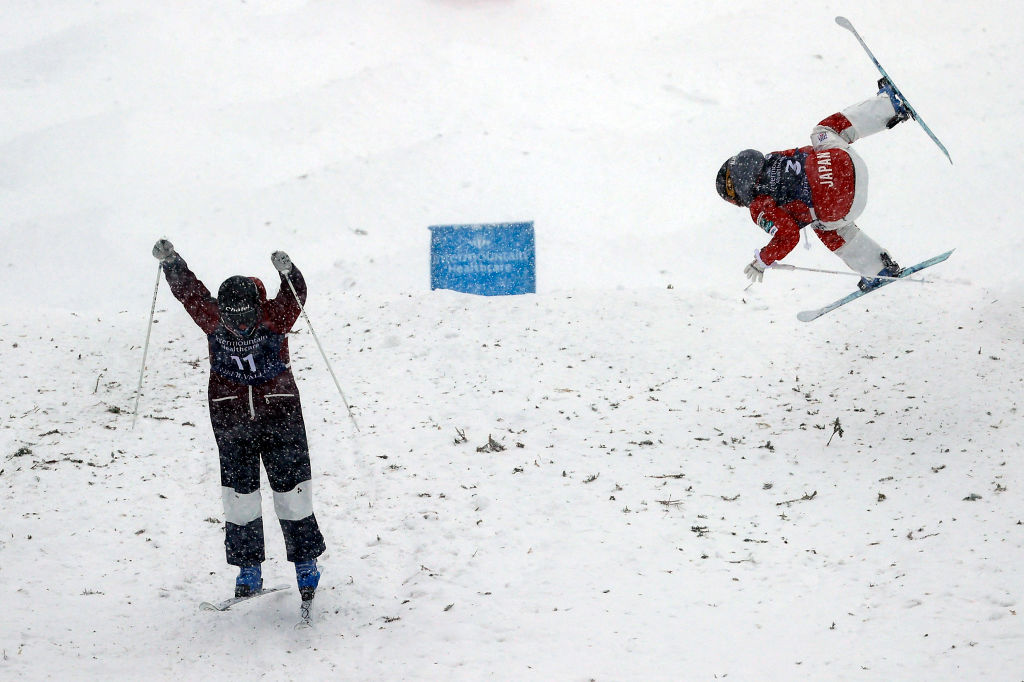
x=279, y=441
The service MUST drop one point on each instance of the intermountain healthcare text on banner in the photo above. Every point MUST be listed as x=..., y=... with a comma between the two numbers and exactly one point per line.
x=489, y=260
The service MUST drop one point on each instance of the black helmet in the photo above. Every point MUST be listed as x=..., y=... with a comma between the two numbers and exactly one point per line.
x=735, y=182
x=239, y=302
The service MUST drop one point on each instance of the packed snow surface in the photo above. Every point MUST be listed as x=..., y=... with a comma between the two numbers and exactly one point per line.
x=644, y=471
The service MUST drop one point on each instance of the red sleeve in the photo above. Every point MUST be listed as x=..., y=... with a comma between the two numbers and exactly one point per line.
x=785, y=231
x=192, y=293
x=283, y=309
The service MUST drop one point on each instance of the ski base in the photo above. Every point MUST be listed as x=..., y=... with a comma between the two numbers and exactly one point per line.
x=808, y=315
x=228, y=603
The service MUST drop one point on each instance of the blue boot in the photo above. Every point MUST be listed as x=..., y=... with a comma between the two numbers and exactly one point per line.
x=891, y=269
x=249, y=581
x=898, y=105
x=308, y=577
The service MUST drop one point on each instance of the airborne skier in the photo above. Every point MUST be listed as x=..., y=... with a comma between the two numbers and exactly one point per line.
x=823, y=186
x=255, y=414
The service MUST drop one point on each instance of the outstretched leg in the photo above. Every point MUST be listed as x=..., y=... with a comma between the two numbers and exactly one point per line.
x=861, y=253
x=857, y=121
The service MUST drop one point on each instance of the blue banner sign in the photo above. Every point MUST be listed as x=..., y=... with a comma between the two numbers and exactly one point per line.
x=489, y=260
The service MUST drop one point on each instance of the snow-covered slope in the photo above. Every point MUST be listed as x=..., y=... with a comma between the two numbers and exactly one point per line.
x=693, y=484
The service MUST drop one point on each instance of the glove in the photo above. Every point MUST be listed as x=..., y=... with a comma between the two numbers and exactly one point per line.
x=755, y=270
x=281, y=261
x=163, y=250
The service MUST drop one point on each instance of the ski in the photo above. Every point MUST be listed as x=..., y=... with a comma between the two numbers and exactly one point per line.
x=228, y=603
x=845, y=23
x=305, y=615
x=808, y=315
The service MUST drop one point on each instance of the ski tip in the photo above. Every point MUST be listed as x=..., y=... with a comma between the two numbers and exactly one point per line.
x=807, y=315
x=844, y=22
x=941, y=146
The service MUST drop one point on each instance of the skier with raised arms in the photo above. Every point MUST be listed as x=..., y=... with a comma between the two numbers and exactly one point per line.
x=822, y=186
x=255, y=413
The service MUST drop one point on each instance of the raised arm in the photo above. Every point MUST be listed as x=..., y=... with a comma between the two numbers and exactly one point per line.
x=284, y=309
x=186, y=287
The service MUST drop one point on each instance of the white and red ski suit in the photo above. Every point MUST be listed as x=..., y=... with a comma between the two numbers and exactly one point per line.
x=824, y=187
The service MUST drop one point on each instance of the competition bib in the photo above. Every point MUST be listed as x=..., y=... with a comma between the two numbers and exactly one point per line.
x=786, y=180
x=250, y=361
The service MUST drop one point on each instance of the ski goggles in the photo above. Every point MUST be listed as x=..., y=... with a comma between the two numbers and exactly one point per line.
x=726, y=187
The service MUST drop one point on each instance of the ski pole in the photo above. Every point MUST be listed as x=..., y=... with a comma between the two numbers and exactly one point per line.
x=330, y=369
x=786, y=266
x=145, y=348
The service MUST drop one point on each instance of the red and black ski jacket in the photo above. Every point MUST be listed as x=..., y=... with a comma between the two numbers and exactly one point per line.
x=250, y=378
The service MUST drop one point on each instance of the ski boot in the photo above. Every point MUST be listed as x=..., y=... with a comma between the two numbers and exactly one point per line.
x=886, y=87
x=891, y=269
x=308, y=577
x=249, y=581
